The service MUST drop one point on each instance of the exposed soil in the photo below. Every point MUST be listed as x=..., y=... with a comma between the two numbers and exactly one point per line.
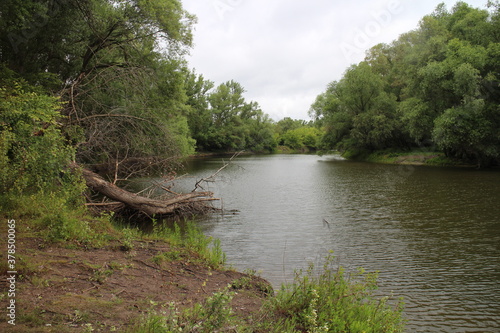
x=64, y=290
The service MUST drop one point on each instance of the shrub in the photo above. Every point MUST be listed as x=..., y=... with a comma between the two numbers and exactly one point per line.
x=336, y=301
x=33, y=151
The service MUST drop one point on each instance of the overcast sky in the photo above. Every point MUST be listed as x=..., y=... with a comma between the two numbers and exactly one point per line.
x=284, y=53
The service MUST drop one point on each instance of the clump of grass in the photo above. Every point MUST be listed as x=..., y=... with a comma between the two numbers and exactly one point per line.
x=336, y=301
x=327, y=301
x=55, y=219
x=212, y=315
x=190, y=237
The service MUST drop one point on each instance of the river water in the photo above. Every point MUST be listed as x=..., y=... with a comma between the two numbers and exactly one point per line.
x=432, y=233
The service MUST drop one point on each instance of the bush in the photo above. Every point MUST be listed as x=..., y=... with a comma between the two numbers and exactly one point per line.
x=335, y=301
x=33, y=151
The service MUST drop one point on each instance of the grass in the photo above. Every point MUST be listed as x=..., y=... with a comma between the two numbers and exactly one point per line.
x=327, y=299
x=188, y=236
x=336, y=301
x=210, y=316
x=416, y=157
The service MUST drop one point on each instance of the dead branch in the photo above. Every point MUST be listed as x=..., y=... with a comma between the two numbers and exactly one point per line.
x=211, y=178
x=148, y=206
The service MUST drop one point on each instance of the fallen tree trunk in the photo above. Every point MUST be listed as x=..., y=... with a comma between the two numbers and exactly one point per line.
x=143, y=204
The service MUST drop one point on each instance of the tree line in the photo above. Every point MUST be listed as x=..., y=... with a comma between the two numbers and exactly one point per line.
x=436, y=87
x=106, y=83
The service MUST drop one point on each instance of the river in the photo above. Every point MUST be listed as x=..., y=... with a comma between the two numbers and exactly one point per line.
x=433, y=233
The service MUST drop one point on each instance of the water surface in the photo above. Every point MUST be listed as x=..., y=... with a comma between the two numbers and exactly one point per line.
x=433, y=233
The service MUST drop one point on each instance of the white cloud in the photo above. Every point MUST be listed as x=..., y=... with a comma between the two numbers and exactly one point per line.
x=284, y=53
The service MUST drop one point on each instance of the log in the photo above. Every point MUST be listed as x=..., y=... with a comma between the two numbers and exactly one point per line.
x=148, y=206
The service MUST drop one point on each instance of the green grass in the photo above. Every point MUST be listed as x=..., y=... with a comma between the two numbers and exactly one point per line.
x=213, y=314
x=336, y=301
x=188, y=235
x=330, y=300
x=391, y=156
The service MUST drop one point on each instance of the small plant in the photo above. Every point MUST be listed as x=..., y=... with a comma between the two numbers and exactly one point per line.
x=190, y=237
x=336, y=301
x=166, y=256
x=209, y=316
x=128, y=239
x=244, y=282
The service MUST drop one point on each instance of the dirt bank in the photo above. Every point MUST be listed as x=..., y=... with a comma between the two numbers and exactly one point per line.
x=108, y=289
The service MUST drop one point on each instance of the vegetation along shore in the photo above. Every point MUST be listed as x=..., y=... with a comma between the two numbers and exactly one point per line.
x=96, y=92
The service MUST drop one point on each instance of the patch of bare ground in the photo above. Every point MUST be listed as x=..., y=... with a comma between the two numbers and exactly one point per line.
x=76, y=290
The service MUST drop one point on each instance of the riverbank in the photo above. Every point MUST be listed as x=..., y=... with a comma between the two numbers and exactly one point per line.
x=413, y=157
x=62, y=289
x=96, y=276
x=69, y=271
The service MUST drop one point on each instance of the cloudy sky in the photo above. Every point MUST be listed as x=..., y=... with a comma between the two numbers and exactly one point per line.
x=284, y=53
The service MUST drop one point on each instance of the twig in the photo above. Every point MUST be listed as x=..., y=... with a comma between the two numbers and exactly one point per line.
x=212, y=176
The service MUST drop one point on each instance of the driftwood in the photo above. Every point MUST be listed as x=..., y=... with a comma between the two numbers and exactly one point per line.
x=142, y=204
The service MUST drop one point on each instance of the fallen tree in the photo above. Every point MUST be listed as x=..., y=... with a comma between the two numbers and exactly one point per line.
x=189, y=202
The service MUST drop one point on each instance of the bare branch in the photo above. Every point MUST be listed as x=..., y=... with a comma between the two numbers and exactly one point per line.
x=211, y=178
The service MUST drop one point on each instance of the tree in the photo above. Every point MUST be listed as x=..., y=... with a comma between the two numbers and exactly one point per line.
x=466, y=132
x=229, y=122
x=199, y=115
x=435, y=86
x=119, y=67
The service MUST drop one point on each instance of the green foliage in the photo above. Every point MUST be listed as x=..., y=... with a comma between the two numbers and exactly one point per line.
x=302, y=138
x=221, y=119
x=336, y=301
x=33, y=152
x=465, y=131
x=54, y=217
x=434, y=86
x=298, y=135
x=331, y=301
x=121, y=65
x=189, y=236
x=210, y=316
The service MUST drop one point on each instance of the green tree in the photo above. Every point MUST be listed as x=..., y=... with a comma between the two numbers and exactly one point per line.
x=466, y=132
x=119, y=66
x=434, y=86
x=34, y=154
x=357, y=111
x=235, y=123
x=200, y=115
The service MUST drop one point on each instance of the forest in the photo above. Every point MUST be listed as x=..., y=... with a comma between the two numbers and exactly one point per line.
x=106, y=84
x=92, y=87
x=434, y=88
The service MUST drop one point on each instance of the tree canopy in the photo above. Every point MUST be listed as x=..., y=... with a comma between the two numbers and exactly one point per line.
x=436, y=86
x=127, y=96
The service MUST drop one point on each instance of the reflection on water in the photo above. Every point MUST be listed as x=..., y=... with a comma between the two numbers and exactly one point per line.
x=433, y=233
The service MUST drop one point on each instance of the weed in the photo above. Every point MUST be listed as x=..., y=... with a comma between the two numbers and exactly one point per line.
x=128, y=238
x=190, y=237
x=244, y=282
x=166, y=256
x=335, y=301
x=209, y=316
x=39, y=282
